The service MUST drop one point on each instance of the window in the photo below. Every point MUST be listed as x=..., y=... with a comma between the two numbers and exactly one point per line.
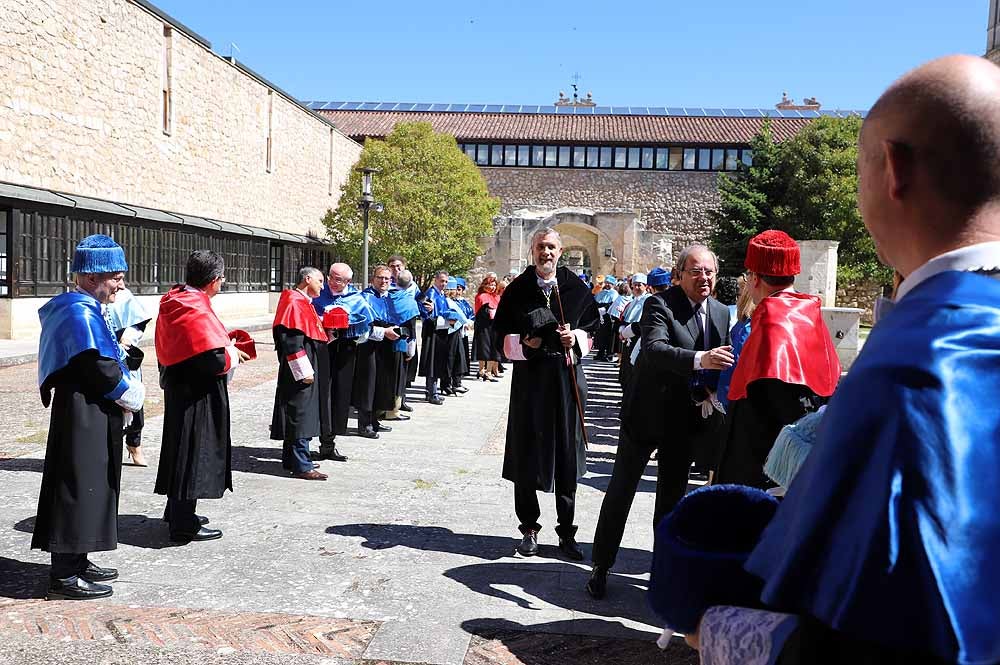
x=718, y=159
x=621, y=155
x=276, y=283
x=592, y=157
x=732, y=157
x=523, y=155
x=676, y=159
x=4, y=277
x=270, y=116
x=564, y=155
x=550, y=156
x=747, y=156
x=166, y=82
x=483, y=154
x=510, y=155
x=538, y=155
x=470, y=150
x=633, y=158
x=647, y=158
x=689, y=159
x=704, y=159
x=579, y=156
x=605, y=158
x=662, y=158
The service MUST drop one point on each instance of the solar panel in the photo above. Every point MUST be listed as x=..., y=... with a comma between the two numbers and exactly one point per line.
x=369, y=106
x=694, y=111
x=713, y=112
x=476, y=108
x=493, y=108
x=733, y=113
x=565, y=110
x=809, y=114
x=438, y=107
x=350, y=106
x=386, y=106
x=530, y=108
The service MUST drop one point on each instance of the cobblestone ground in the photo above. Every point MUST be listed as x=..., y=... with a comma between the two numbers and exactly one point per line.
x=405, y=555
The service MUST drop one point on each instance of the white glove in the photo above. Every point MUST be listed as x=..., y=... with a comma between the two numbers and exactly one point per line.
x=626, y=331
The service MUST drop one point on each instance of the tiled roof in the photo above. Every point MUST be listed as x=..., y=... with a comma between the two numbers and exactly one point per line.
x=513, y=127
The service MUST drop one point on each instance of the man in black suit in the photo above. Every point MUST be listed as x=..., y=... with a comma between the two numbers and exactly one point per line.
x=684, y=332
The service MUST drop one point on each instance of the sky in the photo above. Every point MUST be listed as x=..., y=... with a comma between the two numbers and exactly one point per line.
x=709, y=53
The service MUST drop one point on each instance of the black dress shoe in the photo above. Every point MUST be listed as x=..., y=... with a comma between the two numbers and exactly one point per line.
x=76, y=588
x=400, y=417
x=368, y=433
x=597, y=585
x=437, y=401
x=405, y=407
x=569, y=548
x=448, y=392
x=382, y=428
x=529, y=543
x=332, y=454
x=201, y=518
x=461, y=390
x=95, y=574
x=199, y=535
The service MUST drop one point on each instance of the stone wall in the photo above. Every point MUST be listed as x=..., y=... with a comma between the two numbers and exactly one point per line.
x=672, y=202
x=861, y=294
x=81, y=113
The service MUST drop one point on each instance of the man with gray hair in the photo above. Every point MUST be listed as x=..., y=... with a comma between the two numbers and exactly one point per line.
x=404, y=282
x=547, y=313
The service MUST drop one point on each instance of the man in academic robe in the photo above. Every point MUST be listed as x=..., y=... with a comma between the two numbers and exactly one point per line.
x=684, y=343
x=459, y=365
x=885, y=545
x=129, y=319
x=196, y=356
x=604, y=298
x=407, y=303
x=379, y=362
x=628, y=330
x=466, y=307
x=438, y=347
x=80, y=361
x=788, y=366
x=300, y=342
x=550, y=313
x=342, y=352
x=403, y=279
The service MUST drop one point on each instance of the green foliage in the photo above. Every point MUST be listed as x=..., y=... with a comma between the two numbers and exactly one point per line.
x=436, y=202
x=807, y=187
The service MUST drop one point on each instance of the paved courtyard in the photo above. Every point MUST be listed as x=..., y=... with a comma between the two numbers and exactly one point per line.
x=405, y=555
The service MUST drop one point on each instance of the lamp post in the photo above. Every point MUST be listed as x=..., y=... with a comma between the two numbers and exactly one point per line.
x=366, y=203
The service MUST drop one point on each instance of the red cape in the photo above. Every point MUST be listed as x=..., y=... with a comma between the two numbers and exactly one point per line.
x=187, y=326
x=789, y=342
x=295, y=312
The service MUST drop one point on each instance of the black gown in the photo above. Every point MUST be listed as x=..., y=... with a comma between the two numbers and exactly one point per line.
x=543, y=413
x=484, y=344
x=753, y=424
x=296, y=404
x=196, y=453
x=336, y=385
x=78, y=501
x=441, y=348
x=376, y=375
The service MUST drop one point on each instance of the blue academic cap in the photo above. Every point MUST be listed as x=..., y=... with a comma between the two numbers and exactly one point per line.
x=452, y=283
x=658, y=277
x=97, y=254
x=610, y=279
x=461, y=282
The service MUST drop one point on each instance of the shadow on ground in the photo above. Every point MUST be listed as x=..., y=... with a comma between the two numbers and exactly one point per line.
x=22, y=464
x=572, y=642
x=135, y=530
x=22, y=579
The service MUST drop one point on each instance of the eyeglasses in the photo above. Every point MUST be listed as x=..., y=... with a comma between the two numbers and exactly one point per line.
x=698, y=272
x=382, y=277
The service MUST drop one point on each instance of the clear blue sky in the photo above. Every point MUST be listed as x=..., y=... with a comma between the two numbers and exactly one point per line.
x=711, y=53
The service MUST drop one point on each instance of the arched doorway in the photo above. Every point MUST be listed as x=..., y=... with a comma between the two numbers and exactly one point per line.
x=577, y=259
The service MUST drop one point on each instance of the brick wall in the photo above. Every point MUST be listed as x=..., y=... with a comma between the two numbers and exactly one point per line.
x=80, y=112
x=670, y=202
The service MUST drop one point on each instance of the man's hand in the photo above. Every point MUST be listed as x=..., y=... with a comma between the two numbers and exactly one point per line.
x=721, y=357
x=244, y=356
x=391, y=334
x=428, y=305
x=532, y=342
x=452, y=322
x=309, y=379
x=566, y=337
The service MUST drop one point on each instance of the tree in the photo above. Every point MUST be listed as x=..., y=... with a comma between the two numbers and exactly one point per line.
x=806, y=186
x=437, y=206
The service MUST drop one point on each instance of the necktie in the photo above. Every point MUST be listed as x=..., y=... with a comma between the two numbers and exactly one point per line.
x=700, y=342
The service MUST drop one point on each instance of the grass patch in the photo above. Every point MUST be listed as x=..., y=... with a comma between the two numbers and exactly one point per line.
x=462, y=472
x=423, y=484
x=41, y=436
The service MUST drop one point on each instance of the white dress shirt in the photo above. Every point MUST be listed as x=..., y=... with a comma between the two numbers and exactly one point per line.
x=702, y=313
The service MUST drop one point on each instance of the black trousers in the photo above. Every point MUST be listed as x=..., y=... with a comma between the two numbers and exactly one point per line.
x=527, y=510
x=342, y=358
x=367, y=420
x=673, y=462
x=66, y=565
x=181, y=515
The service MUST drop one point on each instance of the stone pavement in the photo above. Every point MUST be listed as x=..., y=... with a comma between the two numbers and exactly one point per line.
x=405, y=555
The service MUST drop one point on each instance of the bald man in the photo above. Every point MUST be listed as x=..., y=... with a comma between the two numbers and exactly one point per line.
x=888, y=541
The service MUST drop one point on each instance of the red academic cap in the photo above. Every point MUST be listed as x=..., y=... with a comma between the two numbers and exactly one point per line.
x=773, y=253
x=335, y=318
x=244, y=342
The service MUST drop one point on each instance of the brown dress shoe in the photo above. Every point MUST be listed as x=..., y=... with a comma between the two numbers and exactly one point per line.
x=311, y=475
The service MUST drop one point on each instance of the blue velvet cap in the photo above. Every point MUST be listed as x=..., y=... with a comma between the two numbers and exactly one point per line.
x=461, y=282
x=700, y=550
x=639, y=278
x=610, y=279
x=452, y=283
x=98, y=253
x=658, y=277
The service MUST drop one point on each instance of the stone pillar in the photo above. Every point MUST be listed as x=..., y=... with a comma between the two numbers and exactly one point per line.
x=819, y=270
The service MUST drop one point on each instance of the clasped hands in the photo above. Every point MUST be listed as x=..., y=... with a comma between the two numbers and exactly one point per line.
x=565, y=338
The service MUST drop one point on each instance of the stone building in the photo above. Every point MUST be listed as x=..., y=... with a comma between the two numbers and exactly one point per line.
x=625, y=186
x=117, y=118
x=993, y=32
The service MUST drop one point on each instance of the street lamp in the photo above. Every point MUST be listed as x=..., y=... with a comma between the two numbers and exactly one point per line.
x=366, y=203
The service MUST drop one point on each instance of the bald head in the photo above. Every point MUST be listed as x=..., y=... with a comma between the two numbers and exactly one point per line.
x=340, y=276
x=927, y=163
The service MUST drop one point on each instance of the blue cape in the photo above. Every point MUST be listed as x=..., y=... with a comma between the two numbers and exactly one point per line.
x=71, y=324
x=891, y=531
x=738, y=336
x=606, y=296
x=360, y=315
x=633, y=312
x=443, y=306
x=466, y=308
x=396, y=308
x=127, y=311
